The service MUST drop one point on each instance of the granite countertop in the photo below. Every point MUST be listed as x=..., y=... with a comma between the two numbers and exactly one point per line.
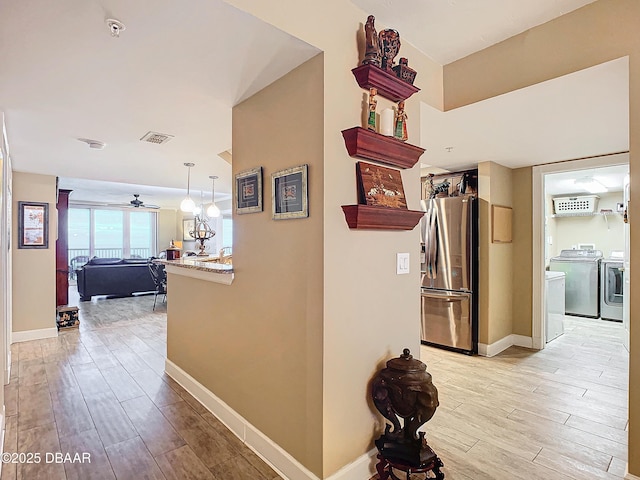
x=205, y=264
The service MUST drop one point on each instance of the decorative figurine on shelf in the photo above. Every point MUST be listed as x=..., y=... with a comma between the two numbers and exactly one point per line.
x=389, y=47
x=400, y=130
x=403, y=71
x=441, y=190
x=371, y=119
x=372, y=43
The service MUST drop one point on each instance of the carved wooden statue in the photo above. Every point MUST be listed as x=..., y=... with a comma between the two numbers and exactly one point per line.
x=372, y=43
x=400, y=130
x=389, y=48
x=404, y=389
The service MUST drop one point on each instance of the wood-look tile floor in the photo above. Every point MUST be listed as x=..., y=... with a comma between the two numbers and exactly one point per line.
x=560, y=413
x=101, y=389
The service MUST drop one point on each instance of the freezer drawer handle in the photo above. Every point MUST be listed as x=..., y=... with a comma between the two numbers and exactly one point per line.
x=443, y=298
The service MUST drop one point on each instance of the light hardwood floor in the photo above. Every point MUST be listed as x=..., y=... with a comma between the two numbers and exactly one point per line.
x=560, y=413
x=556, y=414
x=101, y=389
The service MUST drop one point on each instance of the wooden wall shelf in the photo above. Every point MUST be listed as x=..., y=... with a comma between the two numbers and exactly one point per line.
x=364, y=143
x=388, y=85
x=368, y=217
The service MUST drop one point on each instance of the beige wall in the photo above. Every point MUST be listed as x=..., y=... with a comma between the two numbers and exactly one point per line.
x=257, y=344
x=34, y=270
x=601, y=31
x=167, y=229
x=522, y=248
x=495, y=276
x=370, y=313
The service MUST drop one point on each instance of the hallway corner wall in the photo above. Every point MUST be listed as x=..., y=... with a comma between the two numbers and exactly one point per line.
x=34, y=270
x=495, y=281
x=522, y=247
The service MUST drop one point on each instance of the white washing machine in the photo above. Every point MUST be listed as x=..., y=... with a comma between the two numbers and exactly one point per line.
x=554, y=283
x=611, y=287
x=582, y=281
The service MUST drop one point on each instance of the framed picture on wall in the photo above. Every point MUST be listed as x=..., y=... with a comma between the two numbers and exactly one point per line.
x=188, y=225
x=33, y=225
x=289, y=196
x=248, y=191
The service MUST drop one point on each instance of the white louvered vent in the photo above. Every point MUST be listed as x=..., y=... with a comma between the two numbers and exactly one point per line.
x=581, y=205
x=155, y=137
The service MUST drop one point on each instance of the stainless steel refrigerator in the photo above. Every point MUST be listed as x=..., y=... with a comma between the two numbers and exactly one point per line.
x=449, y=274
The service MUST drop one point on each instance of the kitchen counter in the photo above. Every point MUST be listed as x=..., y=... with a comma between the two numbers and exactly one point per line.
x=202, y=268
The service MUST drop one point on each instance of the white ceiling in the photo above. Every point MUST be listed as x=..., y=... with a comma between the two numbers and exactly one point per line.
x=565, y=183
x=579, y=115
x=178, y=68
x=114, y=194
x=446, y=30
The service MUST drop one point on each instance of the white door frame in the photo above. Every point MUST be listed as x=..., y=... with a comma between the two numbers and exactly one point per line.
x=5, y=256
x=538, y=215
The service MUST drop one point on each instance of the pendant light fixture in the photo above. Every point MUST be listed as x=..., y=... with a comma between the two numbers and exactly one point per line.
x=187, y=205
x=213, y=211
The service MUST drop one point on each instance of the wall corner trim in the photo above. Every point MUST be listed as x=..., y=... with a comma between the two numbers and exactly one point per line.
x=39, y=334
x=630, y=476
x=522, y=341
x=272, y=453
x=3, y=429
x=504, y=343
x=7, y=371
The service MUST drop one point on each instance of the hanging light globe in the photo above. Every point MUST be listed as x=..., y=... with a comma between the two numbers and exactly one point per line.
x=187, y=205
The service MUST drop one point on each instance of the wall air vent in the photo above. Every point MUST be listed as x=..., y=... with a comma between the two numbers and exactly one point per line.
x=155, y=137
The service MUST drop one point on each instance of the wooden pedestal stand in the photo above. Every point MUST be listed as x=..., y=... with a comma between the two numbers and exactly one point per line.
x=385, y=468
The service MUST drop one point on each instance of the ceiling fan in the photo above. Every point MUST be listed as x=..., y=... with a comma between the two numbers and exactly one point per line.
x=137, y=203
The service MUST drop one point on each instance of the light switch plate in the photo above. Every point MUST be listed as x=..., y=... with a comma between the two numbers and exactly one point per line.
x=402, y=265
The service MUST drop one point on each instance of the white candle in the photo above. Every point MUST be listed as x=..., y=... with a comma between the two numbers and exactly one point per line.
x=386, y=122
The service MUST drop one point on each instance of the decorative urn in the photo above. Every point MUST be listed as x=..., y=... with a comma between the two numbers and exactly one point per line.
x=404, y=389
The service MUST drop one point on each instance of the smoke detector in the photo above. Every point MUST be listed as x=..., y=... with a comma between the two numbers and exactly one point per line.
x=95, y=144
x=155, y=137
x=115, y=26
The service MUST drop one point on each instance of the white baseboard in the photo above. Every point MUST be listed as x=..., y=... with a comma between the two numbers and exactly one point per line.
x=278, y=458
x=629, y=476
x=361, y=468
x=28, y=335
x=504, y=343
x=522, y=341
x=537, y=344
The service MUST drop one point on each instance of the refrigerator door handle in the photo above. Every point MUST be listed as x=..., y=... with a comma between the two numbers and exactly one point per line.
x=428, y=240
x=433, y=242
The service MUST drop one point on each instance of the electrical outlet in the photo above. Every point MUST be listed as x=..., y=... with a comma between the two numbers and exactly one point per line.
x=402, y=265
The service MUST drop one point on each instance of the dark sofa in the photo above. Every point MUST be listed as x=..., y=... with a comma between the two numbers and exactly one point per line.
x=113, y=276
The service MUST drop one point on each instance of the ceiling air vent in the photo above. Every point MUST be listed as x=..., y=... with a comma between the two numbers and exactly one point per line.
x=155, y=137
